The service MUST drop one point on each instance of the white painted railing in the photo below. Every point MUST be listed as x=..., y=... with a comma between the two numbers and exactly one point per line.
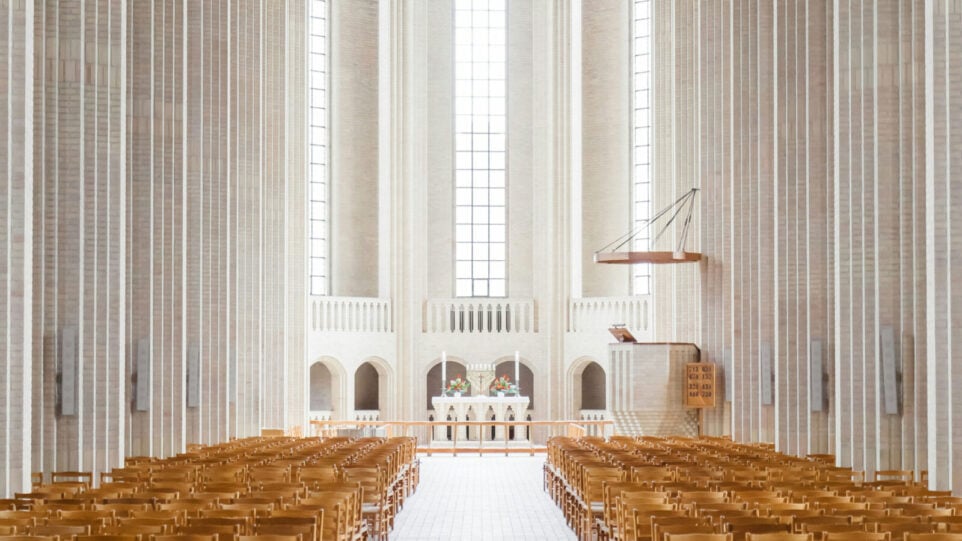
x=595, y=415
x=367, y=415
x=599, y=313
x=350, y=314
x=480, y=315
x=321, y=415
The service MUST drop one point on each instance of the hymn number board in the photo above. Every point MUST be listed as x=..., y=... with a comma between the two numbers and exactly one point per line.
x=700, y=385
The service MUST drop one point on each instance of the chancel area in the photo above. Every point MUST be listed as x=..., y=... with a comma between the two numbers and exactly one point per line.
x=480, y=269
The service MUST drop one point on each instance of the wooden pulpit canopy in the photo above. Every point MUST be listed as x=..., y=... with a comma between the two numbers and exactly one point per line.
x=619, y=252
x=646, y=257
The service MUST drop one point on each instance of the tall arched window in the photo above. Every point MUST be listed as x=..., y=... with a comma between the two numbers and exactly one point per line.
x=641, y=138
x=317, y=66
x=480, y=125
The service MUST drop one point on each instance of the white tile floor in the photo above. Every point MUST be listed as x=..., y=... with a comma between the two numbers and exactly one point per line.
x=485, y=498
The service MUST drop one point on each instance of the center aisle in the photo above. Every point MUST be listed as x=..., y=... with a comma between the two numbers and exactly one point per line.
x=481, y=498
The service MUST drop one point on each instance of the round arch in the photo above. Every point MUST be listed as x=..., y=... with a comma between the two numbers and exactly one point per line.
x=587, y=386
x=505, y=365
x=328, y=387
x=372, y=381
x=432, y=378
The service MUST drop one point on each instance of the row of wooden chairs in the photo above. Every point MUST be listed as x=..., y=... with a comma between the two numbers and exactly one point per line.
x=337, y=488
x=621, y=488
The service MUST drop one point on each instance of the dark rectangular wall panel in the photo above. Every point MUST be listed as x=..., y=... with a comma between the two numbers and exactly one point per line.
x=890, y=386
x=817, y=370
x=193, y=376
x=766, y=374
x=68, y=371
x=727, y=368
x=142, y=388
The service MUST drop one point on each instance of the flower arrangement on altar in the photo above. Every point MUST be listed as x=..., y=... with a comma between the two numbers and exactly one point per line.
x=503, y=385
x=457, y=385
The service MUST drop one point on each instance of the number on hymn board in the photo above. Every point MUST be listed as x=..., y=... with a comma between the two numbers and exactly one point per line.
x=700, y=385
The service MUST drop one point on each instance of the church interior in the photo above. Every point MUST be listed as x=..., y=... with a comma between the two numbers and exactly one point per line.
x=309, y=270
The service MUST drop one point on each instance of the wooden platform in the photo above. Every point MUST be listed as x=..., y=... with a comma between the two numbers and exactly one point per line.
x=657, y=258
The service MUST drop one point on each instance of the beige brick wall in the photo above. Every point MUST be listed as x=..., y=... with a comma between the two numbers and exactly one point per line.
x=148, y=155
x=805, y=129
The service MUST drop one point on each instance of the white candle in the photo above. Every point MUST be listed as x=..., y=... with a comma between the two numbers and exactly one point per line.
x=444, y=370
x=517, y=369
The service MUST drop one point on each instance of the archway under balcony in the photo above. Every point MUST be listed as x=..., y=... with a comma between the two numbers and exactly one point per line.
x=587, y=387
x=328, y=390
x=504, y=366
x=432, y=379
x=372, y=382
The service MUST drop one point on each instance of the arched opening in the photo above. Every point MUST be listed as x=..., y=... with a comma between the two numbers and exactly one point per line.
x=433, y=379
x=593, y=388
x=327, y=389
x=322, y=392
x=367, y=383
x=586, y=386
x=526, y=378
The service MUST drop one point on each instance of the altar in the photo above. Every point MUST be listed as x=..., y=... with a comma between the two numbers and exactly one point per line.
x=492, y=399
x=479, y=408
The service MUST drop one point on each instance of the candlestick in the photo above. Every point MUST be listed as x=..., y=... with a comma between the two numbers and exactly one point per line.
x=517, y=370
x=444, y=370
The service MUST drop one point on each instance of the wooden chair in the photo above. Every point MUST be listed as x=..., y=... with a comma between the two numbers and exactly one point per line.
x=63, y=531
x=242, y=525
x=107, y=538
x=933, y=536
x=376, y=508
x=269, y=538
x=138, y=529
x=906, y=477
x=120, y=509
x=899, y=529
x=635, y=519
x=18, y=526
x=251, y=508
x=739, y=531
x=183, y=537
x=224, y=532
x=857, y=536
x=766, y=508
x=947, y=522
x=813, y=524
x=29, y=538
x=865, y=515
x=699, y=537
x=105, y=516
x=307, y=530
x=662, y=531
x=750, y=536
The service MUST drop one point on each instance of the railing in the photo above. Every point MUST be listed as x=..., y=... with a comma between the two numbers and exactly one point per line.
x=423, y=431
x=480, y=315
x=367, y=415
x=598, y=313
x=595, y=415
x=350, y=314
x=321, y=415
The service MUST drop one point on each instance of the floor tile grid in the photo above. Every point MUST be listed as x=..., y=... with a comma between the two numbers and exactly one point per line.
x=481, y=498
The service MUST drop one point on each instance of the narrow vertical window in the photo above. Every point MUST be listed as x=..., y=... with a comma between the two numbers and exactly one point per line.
x=641, y=139
x=480, y=168
x=318, y=62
